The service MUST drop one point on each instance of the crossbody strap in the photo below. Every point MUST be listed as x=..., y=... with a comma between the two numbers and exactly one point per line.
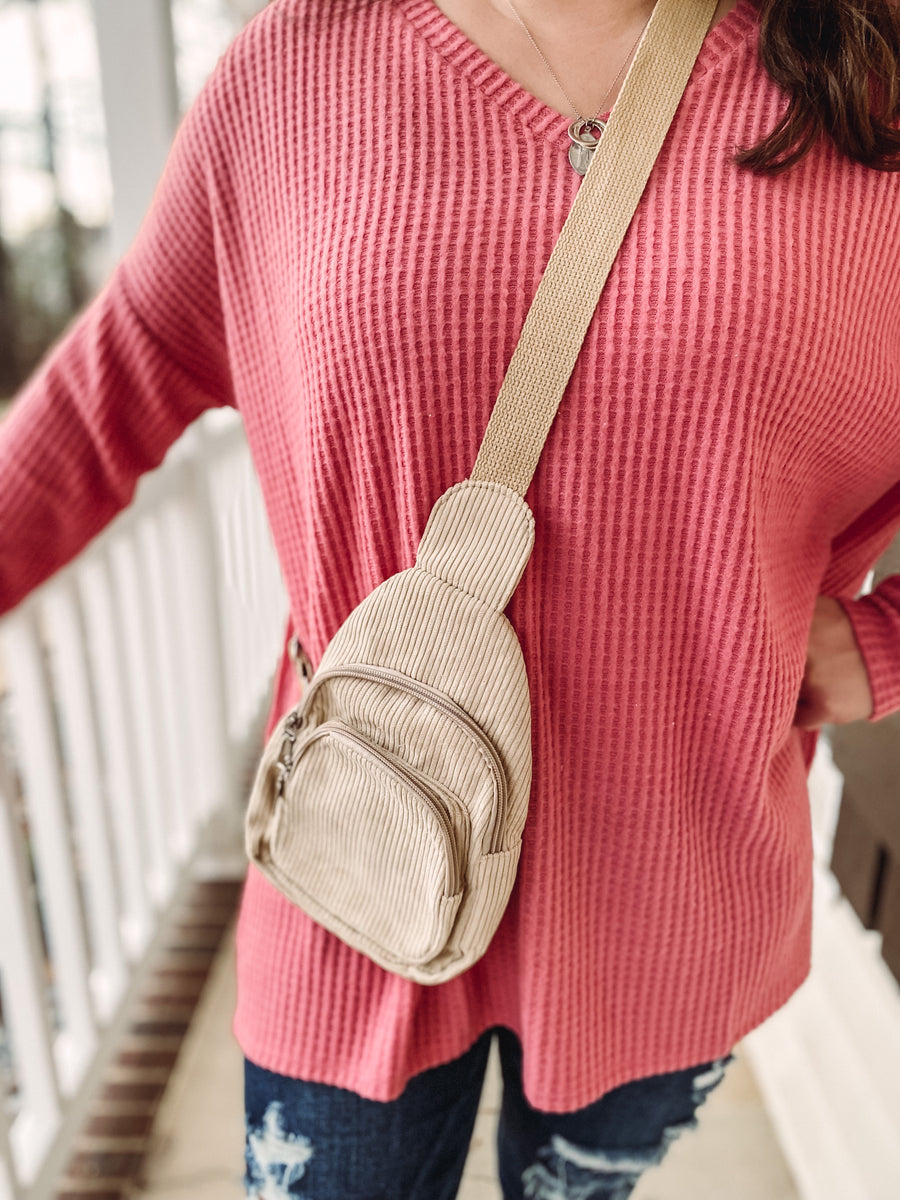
x=577, y=270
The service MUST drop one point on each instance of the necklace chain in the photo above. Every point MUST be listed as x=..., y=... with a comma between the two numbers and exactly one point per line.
x=587, y=121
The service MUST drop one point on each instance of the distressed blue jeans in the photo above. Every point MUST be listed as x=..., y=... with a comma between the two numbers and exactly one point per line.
x=323, y=1143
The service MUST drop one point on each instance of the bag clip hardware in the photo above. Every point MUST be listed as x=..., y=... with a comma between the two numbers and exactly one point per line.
x=300, y=661
x=285, y=764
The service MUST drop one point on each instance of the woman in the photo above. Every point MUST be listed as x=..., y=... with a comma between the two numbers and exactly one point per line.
x=353, y=222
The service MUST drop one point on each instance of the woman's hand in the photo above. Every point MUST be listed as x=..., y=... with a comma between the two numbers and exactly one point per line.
x=835, y=686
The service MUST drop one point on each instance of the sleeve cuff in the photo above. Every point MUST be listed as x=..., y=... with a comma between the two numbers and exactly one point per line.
x=876, y=627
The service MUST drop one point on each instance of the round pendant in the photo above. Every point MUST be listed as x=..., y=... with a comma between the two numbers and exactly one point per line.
x=585, y=135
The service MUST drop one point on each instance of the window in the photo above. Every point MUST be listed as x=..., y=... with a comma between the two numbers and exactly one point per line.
x=55, y=200
x=203, y=29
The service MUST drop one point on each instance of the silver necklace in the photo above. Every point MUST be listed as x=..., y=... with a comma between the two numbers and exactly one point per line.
x=584, y=132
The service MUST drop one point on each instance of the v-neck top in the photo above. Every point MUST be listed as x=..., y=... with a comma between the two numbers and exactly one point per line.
x=352, y=225
x=472, y=64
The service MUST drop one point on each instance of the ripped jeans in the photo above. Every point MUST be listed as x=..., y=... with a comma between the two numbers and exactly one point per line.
x=323, y=1143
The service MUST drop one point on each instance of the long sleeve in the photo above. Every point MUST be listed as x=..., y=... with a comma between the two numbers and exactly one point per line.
x=876, y=625
x=139, y=365
x=875, y=617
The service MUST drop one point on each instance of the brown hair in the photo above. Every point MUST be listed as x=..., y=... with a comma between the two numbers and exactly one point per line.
x=839, y=63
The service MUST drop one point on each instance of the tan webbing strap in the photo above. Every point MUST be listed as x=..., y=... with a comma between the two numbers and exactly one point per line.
x=576, y=272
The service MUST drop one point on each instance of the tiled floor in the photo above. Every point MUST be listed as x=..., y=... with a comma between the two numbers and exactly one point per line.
x=198, y=1135
x=109, y=1151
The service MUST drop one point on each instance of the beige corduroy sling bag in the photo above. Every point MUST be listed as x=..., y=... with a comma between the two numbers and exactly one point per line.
x=389, y=805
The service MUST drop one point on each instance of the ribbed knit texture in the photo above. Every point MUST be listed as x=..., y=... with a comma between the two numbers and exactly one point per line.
x=415, y=792
x=353, y=224
x=586, y=247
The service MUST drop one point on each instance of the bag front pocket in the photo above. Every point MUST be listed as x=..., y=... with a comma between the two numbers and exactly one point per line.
x=371, y=849
x=410, y=721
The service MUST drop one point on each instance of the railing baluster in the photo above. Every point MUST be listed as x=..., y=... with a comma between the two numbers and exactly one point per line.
x=253, y=584
x=186, y=653
x=241, y=591
x=209, y=630
x=23, y=976
x=193, y=746
x=69, y=668
x=42, y=776
x=117, y=742
x=161, y=619
x=223, y=500
x=143, y=709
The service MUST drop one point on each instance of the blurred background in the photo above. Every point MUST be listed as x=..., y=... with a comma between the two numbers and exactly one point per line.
x=56, y=193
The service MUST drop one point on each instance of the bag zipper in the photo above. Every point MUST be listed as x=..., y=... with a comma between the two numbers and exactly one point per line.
x=438, y=700
x=345, y=733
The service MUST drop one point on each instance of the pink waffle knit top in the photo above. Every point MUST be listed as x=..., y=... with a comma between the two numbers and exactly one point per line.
x=354, y=220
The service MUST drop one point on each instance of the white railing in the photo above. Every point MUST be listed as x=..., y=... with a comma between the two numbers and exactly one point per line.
x=828, y=1063
x=132, y=688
